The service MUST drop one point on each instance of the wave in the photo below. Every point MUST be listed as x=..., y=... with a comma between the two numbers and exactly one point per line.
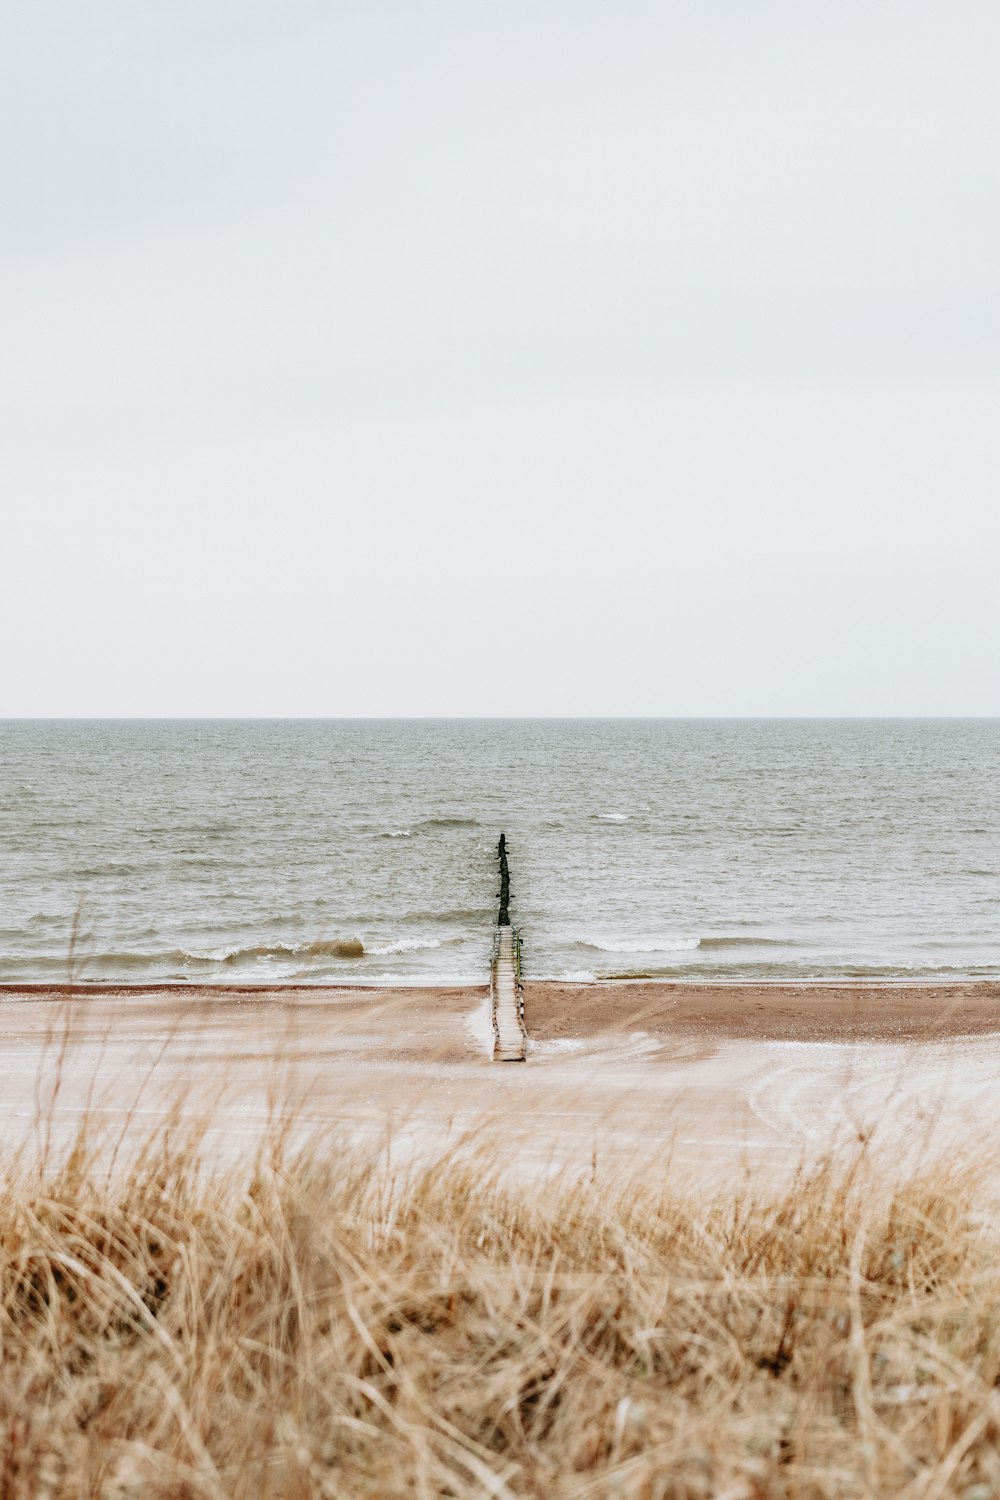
x=333, y=948
x=228, y=957
x=745, y=942
x=642, y=945
x=184, y=958
x=777, y=972
x=397, y=833
x=641, y=974
x=321, y=948
x=407, y=945
x=612, y=817
x=119, y=962
x=683, y=944
x=448, y=823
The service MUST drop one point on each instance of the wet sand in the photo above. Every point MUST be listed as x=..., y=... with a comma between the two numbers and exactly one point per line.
x=767, y=1012
x=711, y=1078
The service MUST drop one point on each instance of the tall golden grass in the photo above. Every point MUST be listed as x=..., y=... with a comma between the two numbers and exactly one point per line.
x=317, y=1322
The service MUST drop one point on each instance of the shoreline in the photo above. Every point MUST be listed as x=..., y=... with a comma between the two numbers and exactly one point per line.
x=408, y=984
x=561, y=1011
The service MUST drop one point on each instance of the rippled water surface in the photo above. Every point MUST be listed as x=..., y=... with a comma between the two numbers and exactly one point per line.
x=363, y=850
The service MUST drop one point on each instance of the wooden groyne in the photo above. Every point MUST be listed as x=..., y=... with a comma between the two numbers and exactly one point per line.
x=510, y=1040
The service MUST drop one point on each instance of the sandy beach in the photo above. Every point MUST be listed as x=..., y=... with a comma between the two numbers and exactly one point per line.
x=767, y=1012
x=715, y=1078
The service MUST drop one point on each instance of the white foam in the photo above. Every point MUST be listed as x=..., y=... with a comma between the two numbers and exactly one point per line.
x=643, y=945
x=612, y=817
x=404, y=945
x=221, y=955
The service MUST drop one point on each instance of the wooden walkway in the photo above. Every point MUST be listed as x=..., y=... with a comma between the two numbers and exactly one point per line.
x=510, y=1040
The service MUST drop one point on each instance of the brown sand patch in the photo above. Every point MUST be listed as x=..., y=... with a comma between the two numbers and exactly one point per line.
x=759, y=1012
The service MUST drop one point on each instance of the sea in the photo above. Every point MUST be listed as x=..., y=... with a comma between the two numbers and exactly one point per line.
x=364, y=851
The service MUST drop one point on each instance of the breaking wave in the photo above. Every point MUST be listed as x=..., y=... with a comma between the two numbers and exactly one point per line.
x=683, y=944
x=322, y=948
x=187, y=959
x=642, y=945
x=406, y=945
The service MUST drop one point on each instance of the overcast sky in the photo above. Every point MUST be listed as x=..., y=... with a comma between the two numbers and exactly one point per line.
x=504, y=358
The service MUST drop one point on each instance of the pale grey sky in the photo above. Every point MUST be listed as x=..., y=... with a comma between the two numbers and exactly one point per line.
x=350, y=352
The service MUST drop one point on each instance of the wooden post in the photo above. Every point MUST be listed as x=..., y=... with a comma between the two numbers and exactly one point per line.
x=510, y=1040
x=504, y=918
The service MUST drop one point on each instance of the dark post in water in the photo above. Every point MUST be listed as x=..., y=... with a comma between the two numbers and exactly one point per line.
x=504, y=918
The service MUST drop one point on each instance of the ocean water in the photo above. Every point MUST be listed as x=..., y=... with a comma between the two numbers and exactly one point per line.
x=363, y=851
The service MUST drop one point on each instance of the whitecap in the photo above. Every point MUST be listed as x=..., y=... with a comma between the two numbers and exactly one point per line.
x=404, y=945
x=643, y=945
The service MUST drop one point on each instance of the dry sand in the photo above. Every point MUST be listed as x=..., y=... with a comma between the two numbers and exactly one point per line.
x=713, y=1078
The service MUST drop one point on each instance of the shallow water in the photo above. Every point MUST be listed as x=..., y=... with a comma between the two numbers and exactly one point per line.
x=729, y=849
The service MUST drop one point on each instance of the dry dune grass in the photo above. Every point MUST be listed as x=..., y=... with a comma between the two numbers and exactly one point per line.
x=318, y=1322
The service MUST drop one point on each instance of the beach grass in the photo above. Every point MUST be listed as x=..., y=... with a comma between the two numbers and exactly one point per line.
x=320, y=1321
